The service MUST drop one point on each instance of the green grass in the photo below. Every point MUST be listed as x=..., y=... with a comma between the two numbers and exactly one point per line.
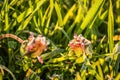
x=97, y=20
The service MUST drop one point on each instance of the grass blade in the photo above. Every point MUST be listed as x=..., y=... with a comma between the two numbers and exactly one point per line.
x=49, y=17
x=69, y=14
x=90, y=15
x=110, y=28
x=77, y=20
x=6, y=16
x=25, y=23
x=5, y=68
x=57, y=8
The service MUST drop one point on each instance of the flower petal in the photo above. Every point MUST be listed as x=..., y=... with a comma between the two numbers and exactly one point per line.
x=40, y=59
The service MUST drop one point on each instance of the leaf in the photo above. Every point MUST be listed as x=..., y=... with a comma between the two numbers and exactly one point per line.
x=116, y=65
x=13, y=2
x=93, y=72
x=69, y=14
x=78, y=77
x=90, y=15
x=100, y=70
x=79, y=60
x=117, y=77
x=12, y=44
x=5, y=68
x=110, y=28
x=51, y=54
x=25, y=23
x=24, y=14
x=77, y=20
x=1, y=76
x=58, y=11
x=6, y=15
x=46, y=30
x=45, y=16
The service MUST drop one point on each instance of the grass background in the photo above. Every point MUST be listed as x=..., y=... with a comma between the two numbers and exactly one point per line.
x=58, y=21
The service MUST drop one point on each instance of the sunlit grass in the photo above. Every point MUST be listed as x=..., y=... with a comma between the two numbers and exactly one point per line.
x=97, y=20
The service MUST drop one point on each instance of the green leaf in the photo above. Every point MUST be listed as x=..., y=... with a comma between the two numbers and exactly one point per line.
x=13, y=2
x=49, y=17
x=77, y=76
x=25, y=23
x=24, y=14
x=12, y=44
x=58, y=11
x=1, y=76
x=110, y=28
x=100, y=70
x=6, y=15
x=77, y=20
x=6, y=69
x=25, y=67
x=79, y=60
x=117, y=77
x=90, y=15
x=69, y=14
x=51, y=54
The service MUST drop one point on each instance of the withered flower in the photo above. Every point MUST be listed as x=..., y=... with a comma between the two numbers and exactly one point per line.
x=39, y=45
x=78, y=44
x=35, y=46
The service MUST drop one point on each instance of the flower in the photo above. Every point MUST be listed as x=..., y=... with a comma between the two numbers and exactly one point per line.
x=39, y=45
x=35, y=45
x=78, y=44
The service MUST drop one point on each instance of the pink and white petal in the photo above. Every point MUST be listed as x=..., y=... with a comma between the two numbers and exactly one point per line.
x=40, y=59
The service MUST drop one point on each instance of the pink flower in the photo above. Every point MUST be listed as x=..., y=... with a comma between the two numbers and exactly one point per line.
x=78, y=44
x=36, y=45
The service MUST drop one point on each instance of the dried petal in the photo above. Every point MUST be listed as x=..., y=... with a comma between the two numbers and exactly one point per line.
x=40, y=59
x=78, y=44
x=36, y=46
x=42, y=40
x=30, y=48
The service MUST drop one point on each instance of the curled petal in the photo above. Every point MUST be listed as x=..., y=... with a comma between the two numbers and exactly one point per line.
x=78, y=42
x=40, y=59
x=31, y=39
x=41, y=40
x=30, y=48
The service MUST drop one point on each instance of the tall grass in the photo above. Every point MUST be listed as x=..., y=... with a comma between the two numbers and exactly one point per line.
x=58, y=21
